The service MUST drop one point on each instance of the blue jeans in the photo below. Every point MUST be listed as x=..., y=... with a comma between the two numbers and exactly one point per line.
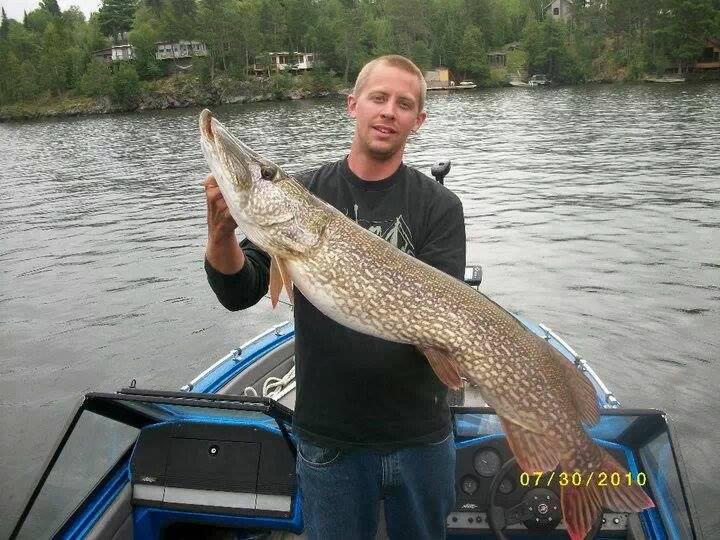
x=341, y=491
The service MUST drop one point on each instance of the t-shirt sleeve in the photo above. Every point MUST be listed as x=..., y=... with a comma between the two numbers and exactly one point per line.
x=245, y=288
x=444, y=246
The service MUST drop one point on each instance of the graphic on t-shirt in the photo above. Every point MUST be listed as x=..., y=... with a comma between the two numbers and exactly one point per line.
x=392, y=230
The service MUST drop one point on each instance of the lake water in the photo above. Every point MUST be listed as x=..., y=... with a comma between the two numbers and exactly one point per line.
x=593, y=210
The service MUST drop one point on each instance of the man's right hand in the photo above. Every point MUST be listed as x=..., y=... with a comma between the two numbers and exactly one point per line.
x=223, y=251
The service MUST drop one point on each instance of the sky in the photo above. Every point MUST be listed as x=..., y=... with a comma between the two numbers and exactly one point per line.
x=14, y=9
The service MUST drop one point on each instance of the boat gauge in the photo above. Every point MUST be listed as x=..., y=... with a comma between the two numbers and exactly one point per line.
x=487, y=463
x=469, y=485
x=506, y=486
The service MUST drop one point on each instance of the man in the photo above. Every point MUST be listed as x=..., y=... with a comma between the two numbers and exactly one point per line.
x=371, y=417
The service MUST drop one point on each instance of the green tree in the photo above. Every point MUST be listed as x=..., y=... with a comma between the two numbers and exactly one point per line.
x=4, y=25
x=473, y=58
x=51, y=6
x=116, y=16
x=549, y=51
x=97, y=79
x=448, y=21
x=125, y=86
x=683, y=29
x=143, y=37
x=37, y=20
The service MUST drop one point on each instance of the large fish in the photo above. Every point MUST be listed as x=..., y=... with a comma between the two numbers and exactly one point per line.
x=362, y=282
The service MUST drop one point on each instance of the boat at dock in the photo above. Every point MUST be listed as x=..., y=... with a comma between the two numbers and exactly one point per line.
x=216, y=459
x=664, y=80
x=538, y=80
x=462, y=85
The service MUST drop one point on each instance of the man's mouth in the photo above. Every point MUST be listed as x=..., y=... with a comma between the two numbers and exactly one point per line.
x=384, y=130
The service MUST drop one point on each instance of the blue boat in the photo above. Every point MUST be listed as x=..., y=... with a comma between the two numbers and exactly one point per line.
x=216, y=459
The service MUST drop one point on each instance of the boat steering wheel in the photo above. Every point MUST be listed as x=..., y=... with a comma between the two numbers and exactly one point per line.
x=539, y=509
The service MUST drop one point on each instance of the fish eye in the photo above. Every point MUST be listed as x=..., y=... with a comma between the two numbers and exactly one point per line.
x=267, y=172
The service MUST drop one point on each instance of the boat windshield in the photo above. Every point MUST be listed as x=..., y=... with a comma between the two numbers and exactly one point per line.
x=647, y=440
x=96, y=445
x=92, y=447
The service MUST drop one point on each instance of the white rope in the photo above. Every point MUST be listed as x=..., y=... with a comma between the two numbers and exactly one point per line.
x=273, y=386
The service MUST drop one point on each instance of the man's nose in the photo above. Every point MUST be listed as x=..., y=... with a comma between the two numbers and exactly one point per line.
x=388, y=110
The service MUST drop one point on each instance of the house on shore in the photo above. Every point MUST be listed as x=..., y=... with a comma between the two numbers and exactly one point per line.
x=438, y=78
x=283, y=61
x=708, y=62
x=115, y=53
x=710, y=59
x=560, y=10
x=498, y=58
x=178, y=50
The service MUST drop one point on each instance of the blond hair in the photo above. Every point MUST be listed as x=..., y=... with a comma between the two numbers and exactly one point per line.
x=396, y=61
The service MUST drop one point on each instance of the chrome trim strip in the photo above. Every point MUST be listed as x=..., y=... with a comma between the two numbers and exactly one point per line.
x=582, y=365
x=237, y=352
x=206, y=497
x=279, y=503
x=148, y=493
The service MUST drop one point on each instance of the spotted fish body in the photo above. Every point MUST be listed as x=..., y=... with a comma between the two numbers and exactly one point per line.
x=364, y=283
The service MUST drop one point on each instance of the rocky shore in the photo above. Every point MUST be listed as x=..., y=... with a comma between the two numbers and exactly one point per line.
x=178, y=91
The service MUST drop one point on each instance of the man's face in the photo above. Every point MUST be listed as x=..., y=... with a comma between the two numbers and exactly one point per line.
x=386, y=110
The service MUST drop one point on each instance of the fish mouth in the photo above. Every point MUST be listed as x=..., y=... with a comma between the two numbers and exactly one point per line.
x=240, y=162
x=206, y=124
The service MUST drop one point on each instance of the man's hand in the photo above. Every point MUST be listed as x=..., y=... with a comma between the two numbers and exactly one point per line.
x=222, y=251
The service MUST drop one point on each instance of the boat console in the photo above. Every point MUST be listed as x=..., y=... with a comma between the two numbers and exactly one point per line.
x=495, y=499
x=145, y=464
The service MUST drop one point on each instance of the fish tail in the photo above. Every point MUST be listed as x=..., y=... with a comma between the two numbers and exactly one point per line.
x=582, y=505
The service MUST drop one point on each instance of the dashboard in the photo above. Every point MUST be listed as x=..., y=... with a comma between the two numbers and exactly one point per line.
x=489, y=482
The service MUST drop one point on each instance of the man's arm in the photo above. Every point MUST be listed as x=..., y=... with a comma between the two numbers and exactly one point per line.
x=444, y=245
x=237, y=273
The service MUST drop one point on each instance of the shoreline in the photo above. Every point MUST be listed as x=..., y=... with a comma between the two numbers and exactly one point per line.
x=184, y=91
x=174, y=92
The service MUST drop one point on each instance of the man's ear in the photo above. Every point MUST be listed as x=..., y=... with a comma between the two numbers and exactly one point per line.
x=420, y=120
x=352, y=105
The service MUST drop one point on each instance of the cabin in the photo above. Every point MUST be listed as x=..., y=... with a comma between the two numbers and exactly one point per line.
x=115, y=53
x=710, y=59
x=437, y=78
x=560, y=10
x=283, y=61
x=174, y=50
x=498, y=58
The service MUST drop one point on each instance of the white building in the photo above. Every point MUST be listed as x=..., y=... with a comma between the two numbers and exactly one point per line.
x=560, y=10
x=115, y=53
x=285, y=61
x=169, y=50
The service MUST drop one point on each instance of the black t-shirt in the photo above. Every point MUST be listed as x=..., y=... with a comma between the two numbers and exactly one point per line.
x=355, y=390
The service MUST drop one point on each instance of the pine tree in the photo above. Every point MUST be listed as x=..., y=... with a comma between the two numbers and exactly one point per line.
x=4, y=25
x=51, y=6
x=116, y=16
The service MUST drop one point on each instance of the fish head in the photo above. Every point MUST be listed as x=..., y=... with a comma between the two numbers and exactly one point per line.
x=270, y=207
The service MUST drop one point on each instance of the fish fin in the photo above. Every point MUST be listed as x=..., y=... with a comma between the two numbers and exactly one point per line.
x=534, y=452
x=279, y=276
x=444, y=366
x=582, y=505
x=581, y=509
x=286, y=279
x=583, y=392
x=628, y=496
x=276, y=282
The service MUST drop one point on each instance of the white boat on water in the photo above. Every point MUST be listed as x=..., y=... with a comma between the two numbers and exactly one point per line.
x=538, y=80
x=665, y=79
